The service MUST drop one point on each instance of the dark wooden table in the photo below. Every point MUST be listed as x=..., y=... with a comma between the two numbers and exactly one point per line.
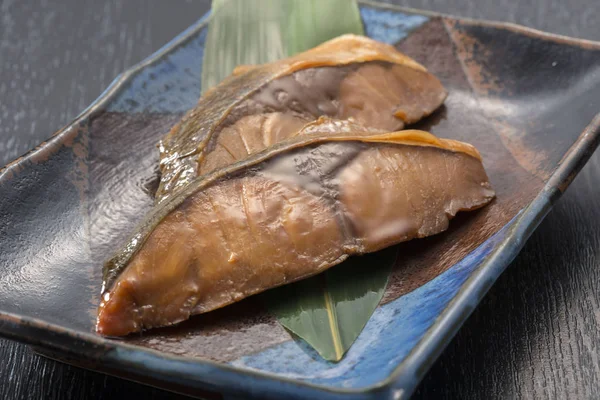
x=535, y=335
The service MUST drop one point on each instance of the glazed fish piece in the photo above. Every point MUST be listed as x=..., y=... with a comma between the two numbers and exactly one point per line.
x=257, y=106
x=284, y=214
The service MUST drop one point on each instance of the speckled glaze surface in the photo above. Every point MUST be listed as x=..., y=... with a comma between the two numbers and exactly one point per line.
x=527, y=100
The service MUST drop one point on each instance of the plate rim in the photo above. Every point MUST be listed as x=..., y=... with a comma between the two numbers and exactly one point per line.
x=408, y=373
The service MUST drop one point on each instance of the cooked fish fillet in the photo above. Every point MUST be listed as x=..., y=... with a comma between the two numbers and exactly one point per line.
x=283, y=214
x=347, y=77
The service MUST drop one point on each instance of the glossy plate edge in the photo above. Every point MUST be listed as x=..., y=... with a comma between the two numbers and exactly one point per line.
x=181, y=374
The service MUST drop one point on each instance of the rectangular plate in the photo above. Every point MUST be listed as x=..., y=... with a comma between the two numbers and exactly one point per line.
x=527, y=100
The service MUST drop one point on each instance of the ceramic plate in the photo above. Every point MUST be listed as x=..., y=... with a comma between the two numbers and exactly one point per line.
x=527, y=100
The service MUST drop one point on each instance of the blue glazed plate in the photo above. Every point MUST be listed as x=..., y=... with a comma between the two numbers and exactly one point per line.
x=527, y=100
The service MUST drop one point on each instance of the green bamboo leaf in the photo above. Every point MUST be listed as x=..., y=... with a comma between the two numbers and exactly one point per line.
x=259, y=31
x=330, y=310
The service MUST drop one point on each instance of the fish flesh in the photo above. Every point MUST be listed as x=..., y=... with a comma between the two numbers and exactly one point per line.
x=284, y=213
x=257, y=106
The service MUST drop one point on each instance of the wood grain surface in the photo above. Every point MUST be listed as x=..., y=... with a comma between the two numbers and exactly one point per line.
x=535, y=335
